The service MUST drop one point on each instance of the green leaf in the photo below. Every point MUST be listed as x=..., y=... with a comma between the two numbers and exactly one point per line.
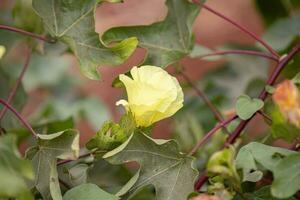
x=286, y=177
x=107, y=176
x=283, y=32
x=167, y=41
x=88, y=192
x=261, y=194
x=63, y=145
x=14, y=171
x=161, y=165
x=73, y=23
x=246, y=107
x=254, y=154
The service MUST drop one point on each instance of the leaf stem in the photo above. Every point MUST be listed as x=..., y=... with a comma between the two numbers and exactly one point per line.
x=263, y=95
x=20, y=31
x=243, y=52
x=239, y=26
x=16, y=85
x=208, y=135
x=19, y=116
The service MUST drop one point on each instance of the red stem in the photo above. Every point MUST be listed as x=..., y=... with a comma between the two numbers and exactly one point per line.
x=243, y=52
x=239, y=26
x=19, y=116
x=210, y=134
x=20, y=31
x=263, y=95
x=16, y=85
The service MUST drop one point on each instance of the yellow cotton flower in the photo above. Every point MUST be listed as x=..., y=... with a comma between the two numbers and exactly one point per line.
x=2, y=51
x=152, y=93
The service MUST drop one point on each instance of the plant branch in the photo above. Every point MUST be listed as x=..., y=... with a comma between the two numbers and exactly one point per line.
x=242, y=52
x=208, y=135
x=20, y=31
x=19, y=116
x=263, y=95
x=239, y=26
x=16, y=85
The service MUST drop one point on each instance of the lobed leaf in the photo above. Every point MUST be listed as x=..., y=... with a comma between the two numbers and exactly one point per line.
x=73, y=23
x=63, y=145
x=161, y=165
x=167, y=41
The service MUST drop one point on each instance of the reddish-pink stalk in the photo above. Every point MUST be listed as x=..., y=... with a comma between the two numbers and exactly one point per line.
x=17, y=84
x=20, y=31
x=208, y=135
x=263, y=95
x=19, y=116
x=242, y=52
x=239, y=26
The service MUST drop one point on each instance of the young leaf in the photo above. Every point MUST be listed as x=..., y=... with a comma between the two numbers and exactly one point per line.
x=88, y=192
x=63, y=145
x=246, y=107
x=286, y=177
x=166, y=41
x=73, y=23
x=161, y=165
x=14, y=171
x=255, y=153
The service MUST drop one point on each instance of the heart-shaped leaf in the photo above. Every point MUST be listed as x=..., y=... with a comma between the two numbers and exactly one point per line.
x=246, y=107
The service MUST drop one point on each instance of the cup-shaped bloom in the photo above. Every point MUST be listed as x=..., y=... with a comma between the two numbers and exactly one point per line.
x=152, y=93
